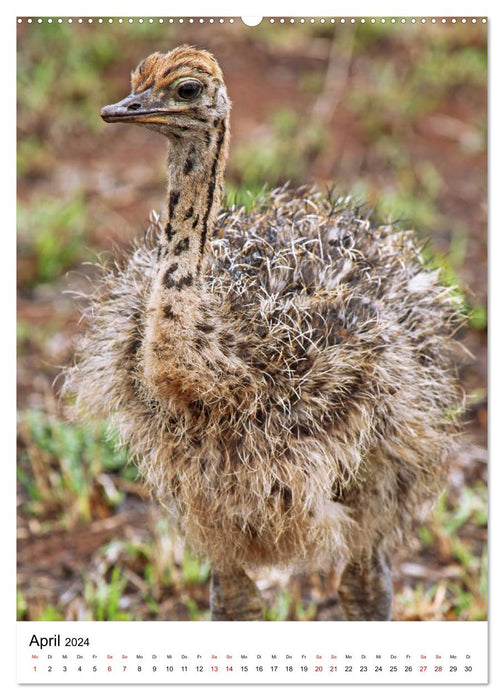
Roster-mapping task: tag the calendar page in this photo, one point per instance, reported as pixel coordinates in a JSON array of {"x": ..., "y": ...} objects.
[{"x": 252, "y": 405}]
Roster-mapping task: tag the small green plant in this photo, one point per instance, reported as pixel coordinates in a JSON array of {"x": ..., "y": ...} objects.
[
  {"x": 423, "y": 602},
  {"x": 193, "y": 609},
  {"x": 470, "y": 600},
  {"x": 282, "y": 607},
  {"x": 21, "y": 605},
  {"x": 247, "y": 197},
  {"x": 471, "y": 506},
  {"x": 477, "y": 317},
  {"x": 104, "y": 598},
  {"x": 50, "y": 614},
  {"x": 193, "y": 569}
]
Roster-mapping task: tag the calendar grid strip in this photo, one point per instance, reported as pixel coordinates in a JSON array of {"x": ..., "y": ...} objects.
[{"x": 257, "y": 652}]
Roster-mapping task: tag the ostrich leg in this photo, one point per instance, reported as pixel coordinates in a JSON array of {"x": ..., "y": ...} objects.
[
  {"x": 366, "y": 589},
  {"x": 233, "y": 596}
]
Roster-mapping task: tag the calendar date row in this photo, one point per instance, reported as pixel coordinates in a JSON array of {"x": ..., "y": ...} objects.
[{"x": 358, "y": 669}]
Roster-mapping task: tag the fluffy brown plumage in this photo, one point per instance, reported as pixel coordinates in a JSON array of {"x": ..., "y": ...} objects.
[{"x": 286, "y": 388}]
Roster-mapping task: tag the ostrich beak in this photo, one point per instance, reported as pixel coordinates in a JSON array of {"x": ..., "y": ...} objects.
[{"x": 133, "y": 108}]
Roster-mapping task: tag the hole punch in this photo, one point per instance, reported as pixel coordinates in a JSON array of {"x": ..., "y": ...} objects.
[{"x": 252, "y": 21}]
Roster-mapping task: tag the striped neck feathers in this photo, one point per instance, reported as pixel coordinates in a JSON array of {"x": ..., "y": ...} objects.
[{"x": 195, "y": 180}]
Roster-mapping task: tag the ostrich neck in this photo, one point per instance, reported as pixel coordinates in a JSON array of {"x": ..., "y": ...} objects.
[
  {"x": 194, "y": 186},
  {"x": 180, "y": 309}
]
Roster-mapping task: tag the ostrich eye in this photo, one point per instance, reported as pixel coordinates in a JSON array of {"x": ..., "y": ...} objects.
[{"x": 189, "y": 90}]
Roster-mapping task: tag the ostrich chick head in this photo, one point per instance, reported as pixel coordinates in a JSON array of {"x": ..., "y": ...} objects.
[{"x": 180, "y": 94}]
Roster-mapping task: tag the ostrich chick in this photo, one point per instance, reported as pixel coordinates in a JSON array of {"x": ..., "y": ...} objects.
[{"x": 282, "y": 376}]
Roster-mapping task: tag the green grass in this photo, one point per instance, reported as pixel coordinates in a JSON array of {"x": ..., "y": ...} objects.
[
  {"x": 463, "y": 594},
  {"x": 51, "y": 236},
  {"x": 57, "y": 71},
  {"x": 146, "y": 570},
  {"x": 450, "y": 264},
  {"x": 33, "y": 157},
  {"x": 444, "y": 68},
  {"x": 397, "y": 93},
  {"x": 282, "y": 153},
  {"x": 62, "y": 468}
]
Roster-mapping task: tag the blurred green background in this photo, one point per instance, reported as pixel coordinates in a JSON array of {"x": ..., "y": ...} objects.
[{"x": 392, "y": 114}]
